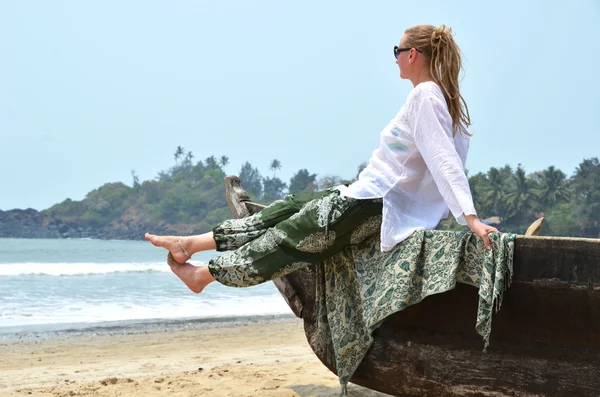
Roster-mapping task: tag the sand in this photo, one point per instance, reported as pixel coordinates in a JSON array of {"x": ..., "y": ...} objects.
[{"x": 271, "y": 359}]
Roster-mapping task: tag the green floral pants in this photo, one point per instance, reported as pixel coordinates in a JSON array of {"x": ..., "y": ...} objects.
[{"x": 290, "y": 234}]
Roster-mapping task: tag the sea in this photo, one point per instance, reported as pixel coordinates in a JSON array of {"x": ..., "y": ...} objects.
[{"x": 50, "y": 286}]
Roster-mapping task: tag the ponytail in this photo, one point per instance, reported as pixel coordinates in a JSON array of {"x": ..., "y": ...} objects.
[{"x": 438, "y": 45}]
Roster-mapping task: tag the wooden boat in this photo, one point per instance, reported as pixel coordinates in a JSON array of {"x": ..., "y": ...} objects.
[{"x": 545, "y": 340}]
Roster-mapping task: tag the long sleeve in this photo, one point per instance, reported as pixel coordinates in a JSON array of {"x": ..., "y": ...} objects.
[{"x": 433, "y": 140}]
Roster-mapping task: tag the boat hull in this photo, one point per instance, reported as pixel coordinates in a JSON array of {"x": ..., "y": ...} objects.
[{"x": 545, "y": 339}]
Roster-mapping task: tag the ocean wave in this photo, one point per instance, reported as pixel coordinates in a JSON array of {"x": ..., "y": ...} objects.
[
  {"x": 154, "y": 308},
  {"x": 76, "y": 269}
]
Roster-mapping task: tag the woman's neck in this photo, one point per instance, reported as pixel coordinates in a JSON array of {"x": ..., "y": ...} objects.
[{"x": 421, "y": 77}]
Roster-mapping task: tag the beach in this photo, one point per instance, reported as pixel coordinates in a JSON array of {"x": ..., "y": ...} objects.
[
  {"x": 260, "y": 359},
  {"x": 87, "y": 317}
]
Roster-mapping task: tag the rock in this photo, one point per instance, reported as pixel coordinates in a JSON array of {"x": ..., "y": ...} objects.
[
  {"x": 27, "y": 223},
  {"x": 30, "y": 223}
]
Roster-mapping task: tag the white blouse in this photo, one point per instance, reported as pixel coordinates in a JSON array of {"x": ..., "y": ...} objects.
[{"x": 418, "y": 168}]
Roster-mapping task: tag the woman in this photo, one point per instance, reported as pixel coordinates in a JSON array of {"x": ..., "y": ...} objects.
[{"x": 413, "y": 180}]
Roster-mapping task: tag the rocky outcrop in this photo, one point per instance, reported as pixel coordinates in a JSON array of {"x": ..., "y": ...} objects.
[
  {"x": 30, "y": 223},
  {"x": 27, "y": 223}
]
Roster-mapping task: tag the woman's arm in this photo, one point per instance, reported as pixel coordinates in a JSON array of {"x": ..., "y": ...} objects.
[
  {"x": 436, "y": 147},
  {"x": 439, "y": 153}
]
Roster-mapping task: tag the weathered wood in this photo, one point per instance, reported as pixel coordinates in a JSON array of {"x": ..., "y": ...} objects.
[
  {"x": 545, "y": 340},
  {"x": 290, "y": 295},
  {"x": 236, "y": 197}
]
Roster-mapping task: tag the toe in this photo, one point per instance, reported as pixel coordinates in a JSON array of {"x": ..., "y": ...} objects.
[
  {"x": 154, "y": 239},
  {"x": 172, "y": 262}
]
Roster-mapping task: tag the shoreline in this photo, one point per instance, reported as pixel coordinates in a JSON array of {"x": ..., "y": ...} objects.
[{"x": 18, "y": 333}]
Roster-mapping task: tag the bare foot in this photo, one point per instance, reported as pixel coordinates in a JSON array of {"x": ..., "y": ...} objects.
[
  {"x": 196, "y": 278},
  {"x": 171, "y": 244}
]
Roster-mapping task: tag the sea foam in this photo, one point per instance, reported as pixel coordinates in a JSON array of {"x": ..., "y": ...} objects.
[{"x": 73, "y": 269}]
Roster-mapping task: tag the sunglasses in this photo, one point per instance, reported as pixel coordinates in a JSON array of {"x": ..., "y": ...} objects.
[{"x": 398, "y": 50}]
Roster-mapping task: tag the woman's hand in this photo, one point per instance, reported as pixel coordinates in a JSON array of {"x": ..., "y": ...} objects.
[{"x": 480, "y": 229}]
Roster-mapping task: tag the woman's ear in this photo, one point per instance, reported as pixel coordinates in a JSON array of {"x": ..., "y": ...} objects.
[{"x": 412, "y": 56}]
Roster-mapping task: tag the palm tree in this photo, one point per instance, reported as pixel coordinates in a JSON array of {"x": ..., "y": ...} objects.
[
  {"x": 224, "y": 160},
  {"x": 178, "y": 153},
  {"x": 586, "y": 191},
  {"x": 211, "y": 163},
  {"x": 522, "y": 196},
  {"x": 189, "y": 157},
  {"x": 479, "y": 186},
  {"x": 494, "y": 196},
  {"x": 586, "y": 176},
  {"x": 136, "y": 178},
  {"x": 506, "y": 172},
  {"x": 553, "y": 187},
  {"x": 275, "y": 165}
]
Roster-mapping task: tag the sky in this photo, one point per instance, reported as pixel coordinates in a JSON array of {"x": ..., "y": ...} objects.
[{"x": 91, "y": 90}]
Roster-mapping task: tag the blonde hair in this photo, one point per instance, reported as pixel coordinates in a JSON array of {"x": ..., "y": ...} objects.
[{"x": 445, "y": 64}]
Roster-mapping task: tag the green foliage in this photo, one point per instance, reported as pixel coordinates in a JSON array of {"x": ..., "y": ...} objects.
[
  {"x": 187, "y": 193},
  {"x": 178, "y": 153},
  {"x": 223, "y": 161},
  {"x": 136, "y": 178},
  {"x": 571, "y": 205},
  {"x": 553, "y": 187},
  {"x": 100, "y": 207},
  {"x": 251, "y": 179},
  {"x": 275, "y": 166},
  {"x": 273, "y": 189},
  {"x": 211, "y": 163},
  {"x": 479, "y": 188},
  {"x": 560, "y": 220},
  {"x": 586, "y": 189},
  {"x": 303, "y": 181},
  {"x": 67, "y": 209},
  {"x": 521, "y": 198}
]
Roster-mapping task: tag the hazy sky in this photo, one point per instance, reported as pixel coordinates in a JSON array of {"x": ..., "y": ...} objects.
[{"x": 90, "y": 90}]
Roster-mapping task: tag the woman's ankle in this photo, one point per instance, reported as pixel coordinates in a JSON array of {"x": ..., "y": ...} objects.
[{"x": 200, "y": 242}]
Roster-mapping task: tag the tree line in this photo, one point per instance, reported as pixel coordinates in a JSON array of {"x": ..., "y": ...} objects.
[{"x": 192, "y": 193}]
